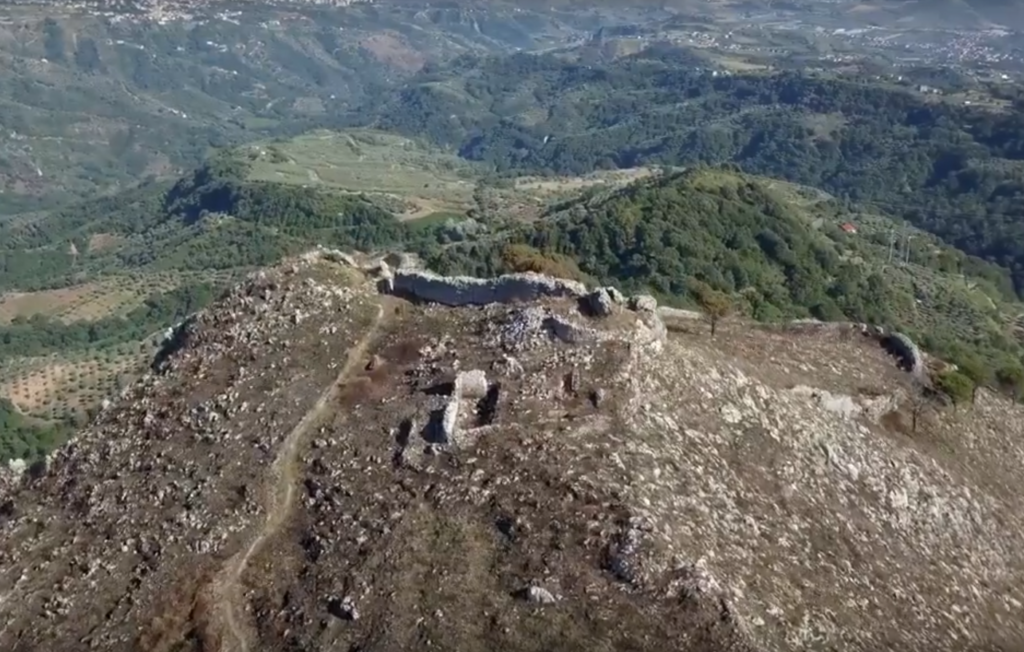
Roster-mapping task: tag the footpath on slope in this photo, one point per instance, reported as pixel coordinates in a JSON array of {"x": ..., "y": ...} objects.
[{"x": 281, "y": 497}]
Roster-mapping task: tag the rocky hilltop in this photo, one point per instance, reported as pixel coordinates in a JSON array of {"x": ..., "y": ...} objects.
[{"x": 348, "y": 454}]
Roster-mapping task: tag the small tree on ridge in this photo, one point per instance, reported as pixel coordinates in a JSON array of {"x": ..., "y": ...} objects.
[{"x": 715, "y": 305}]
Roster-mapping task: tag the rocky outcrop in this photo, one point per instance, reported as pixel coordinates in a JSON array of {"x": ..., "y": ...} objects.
[
  {"x": 471, "y": 384},
  {"x": 465, "y": 290},
  {"x": 643, "y": 303},
  {"x": 759, "y": 487},
  {"x": 569, "y": 331},
  {"x": 600, "y": 303},
  {"x": 450, "y": 418},
  {"x": 910, "y": 356},
  {"x": 678, "y": 313}
]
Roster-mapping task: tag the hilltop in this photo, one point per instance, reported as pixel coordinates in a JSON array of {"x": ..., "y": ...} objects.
[
  {"x": 107, "y": 277},
  {"x": 338, "y": 463},
  {"x": 778, "y": 249}
]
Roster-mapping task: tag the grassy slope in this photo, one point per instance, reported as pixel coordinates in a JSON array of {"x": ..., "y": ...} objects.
[{"x": 413, "y": 177}]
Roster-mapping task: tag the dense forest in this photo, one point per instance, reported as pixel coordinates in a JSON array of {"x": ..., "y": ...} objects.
[{"x": 954, "y": 170}]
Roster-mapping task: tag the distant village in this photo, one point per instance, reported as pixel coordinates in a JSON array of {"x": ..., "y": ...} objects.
[
  {"x": 166, "y": 11},
  {"x": 762, "y": 37}
]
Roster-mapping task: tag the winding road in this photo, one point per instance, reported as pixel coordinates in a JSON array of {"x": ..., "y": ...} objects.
[{"x": 280, "y": 498}]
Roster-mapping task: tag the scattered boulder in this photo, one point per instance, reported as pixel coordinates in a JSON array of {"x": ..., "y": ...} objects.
[
  {"x": 643, "y": 303},
  {"x": 344, "y": 609},
  {"x": 471, "y": 384},
  {"x": 909, "y": 355},
  {"x": 539, "y": 595},
  {"x": 601, "y": 303},
  {"x": 616, "y": 296},
  {"x": 837, "y": 403},
  {"x": 16, "y": 467}
]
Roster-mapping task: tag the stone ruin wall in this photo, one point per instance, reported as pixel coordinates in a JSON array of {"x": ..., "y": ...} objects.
[
  {"x": 456, "y": 291},
  {"x": 465, "y": 290}
]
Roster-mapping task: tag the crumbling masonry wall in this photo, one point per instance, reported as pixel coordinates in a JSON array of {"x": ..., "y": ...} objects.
[
  {"x": 458, "y": 291},
  {"x": 465, "y": 290}
]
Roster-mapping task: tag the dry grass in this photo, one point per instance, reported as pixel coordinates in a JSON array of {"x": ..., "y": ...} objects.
[
  {"x": 46, "y": 302},
  {"x": 184, "y": 616}
]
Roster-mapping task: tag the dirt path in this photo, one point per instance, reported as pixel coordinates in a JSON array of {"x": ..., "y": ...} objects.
[{"x": 281, "y": 497}]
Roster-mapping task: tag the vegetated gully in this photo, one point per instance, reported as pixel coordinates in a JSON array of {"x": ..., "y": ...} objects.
[{"x": 280, "y": 498}]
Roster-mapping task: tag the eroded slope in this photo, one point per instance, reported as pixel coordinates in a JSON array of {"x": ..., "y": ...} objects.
[
  {"x": 114, "y": 546},
  {"x": 555, "y": 474}
]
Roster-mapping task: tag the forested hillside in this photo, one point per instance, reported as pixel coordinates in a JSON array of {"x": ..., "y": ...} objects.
[
  {"x": 777, "y": 255},
  {"x": 954, "y": 170},
  {"x": 777, "y": 258},
  {"x": 91, "y": 105},
  {"x": 211, "y": 219}
]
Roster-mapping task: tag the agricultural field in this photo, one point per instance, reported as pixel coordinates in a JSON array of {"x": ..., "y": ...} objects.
[
  {"x": 414, "y": 179},
  {"x": 66, "y": 384},
  {"x": 111, "y": 295}
]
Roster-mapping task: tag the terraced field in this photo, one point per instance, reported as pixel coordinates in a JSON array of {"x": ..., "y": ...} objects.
[
  {"x": 60, "y": 387},
  {"x": 68, "y": 383},
  {"x": 111, "y": 295},
  {"x": 418, "y": 180}
]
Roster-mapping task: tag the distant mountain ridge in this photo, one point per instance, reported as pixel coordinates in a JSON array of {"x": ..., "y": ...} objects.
[{"x": 941, "y": 13}]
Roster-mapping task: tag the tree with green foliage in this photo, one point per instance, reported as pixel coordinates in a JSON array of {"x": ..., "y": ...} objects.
[
  {"x": 957, "y": 386},
  {"x": 947, "y": 168},
  {"x": 1010, "y": 377},
  {"x": 54, "y": 40},
  {"x": 87, "y": 55},
  {"x": 973, "y": 368},
  {"x": 715, "y": 305},
  {"x": 20, "y": 438}
]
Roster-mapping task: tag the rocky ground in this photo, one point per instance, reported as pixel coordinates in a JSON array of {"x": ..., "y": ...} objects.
[{"x": 320, "y": 467}]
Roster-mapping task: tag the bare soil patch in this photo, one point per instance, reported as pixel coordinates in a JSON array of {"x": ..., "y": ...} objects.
[
  {"x": 104, "y": 241},
  {"x": 388, "y": 48}
]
